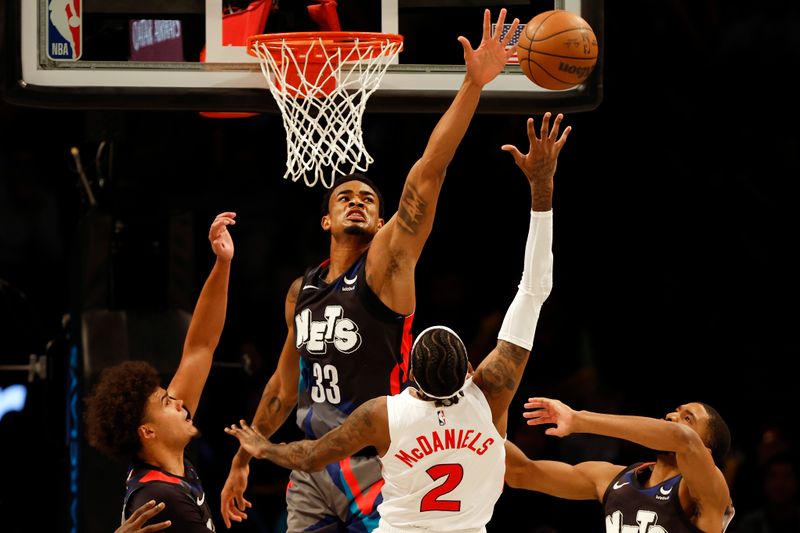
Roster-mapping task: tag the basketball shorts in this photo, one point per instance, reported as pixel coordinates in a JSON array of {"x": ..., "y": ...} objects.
[{"x": 344, "y": 496}]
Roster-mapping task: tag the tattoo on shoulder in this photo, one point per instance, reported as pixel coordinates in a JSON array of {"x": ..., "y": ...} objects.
[
  {"x": 362, "y": 418},
  {"x": 500, "y": 373},
  {"x": 512, "y": 352},
  {"x": 412, "y": 209}
]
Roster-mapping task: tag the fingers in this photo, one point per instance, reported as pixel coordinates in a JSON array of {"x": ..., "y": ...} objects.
[
  {"x": 500, "y": 21},
  {"x": 145, "y": 513},
  {"x": 220, "y": 223},
  {"x": 487, "y": 24},
  {"x": 534, "y": 403},
  {"x": 242, "y": 503},
  {"x": 226, "y": 507},
  {"x": 531, "y": 133},
  {"x": 225, "y": 519},
  {"x": 150, "y": 509},
  {"x": 545, "y": 128},
  {"x": 465, "y": 44},
  {"x": 515, "y": 153},
  {"x": 510, "y": 33},
  {"x": 156, "y": 527},
  {"x": 564, "y": 136},
  {"x": 230, "y": 512}
]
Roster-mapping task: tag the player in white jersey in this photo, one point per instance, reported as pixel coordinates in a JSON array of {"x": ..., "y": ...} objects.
[
  {"x": 441, "y": 443},
  {"x": 444, "y": 457}
]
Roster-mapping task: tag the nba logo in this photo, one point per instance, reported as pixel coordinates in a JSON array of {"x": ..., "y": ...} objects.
[
  {"x": 64, "y": 34},
  {"x": 440, "y": 416}
]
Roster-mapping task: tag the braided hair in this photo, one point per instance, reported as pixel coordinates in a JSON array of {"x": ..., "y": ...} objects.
[{"x": 439, "y": 362}]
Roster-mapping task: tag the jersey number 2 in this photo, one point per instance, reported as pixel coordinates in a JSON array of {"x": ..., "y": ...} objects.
[
  {"x": 453, "y": 473},
  {"x": 319, "y": 392}
]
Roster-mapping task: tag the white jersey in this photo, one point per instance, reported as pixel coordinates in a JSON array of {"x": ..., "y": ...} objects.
[{"x": 445, "y": 467}]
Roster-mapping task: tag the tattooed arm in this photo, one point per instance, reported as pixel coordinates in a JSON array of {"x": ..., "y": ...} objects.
[
  {"x": 500, "y": 372},
  {"x": 398, "y": 245},
  {"x": 366, "y": 426},
  {"x": 277, "y": 403}
]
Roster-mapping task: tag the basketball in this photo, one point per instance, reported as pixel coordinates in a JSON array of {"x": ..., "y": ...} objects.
[{"x": 557, "y": 50}]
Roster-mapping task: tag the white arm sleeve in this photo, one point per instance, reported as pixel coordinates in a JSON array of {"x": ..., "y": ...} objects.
[{"x": 519, "y": 324}]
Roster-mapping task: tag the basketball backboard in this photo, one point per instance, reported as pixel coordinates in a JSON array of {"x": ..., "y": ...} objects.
[{"x": 146, "y": 54}]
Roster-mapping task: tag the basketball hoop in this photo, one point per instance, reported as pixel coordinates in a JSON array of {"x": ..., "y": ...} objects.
[{"x": 321, "y": 82}]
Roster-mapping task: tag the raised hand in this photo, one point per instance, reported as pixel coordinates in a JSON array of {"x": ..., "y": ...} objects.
[
  {"x": 547, "y": 411},
  {"x": 250, "y": 439},
  {"x": 220, "y": 238},
  {"x": 539, "y": 164},
  {"x": 489, "y": 59}
]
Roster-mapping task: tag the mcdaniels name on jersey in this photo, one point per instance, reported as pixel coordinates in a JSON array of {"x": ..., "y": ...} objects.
[{"x": 447, "y": 439}]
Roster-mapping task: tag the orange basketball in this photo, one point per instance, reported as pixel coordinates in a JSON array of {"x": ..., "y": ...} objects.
[{"x": 557, "y": 49}]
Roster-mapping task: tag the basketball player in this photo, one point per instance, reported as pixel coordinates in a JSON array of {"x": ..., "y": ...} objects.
[
  {"x": 130, "y": 415},
  {"x": 349, "y": 319},
  {"x": 440, "y": 444},
  {"x": 682, "y": 491}
]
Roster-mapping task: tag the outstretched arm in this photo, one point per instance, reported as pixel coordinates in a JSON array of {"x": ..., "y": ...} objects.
[
  {"x": 207, "y": 320},
  {"x": 398, "y": 245},
  {"x": 584, "y": 481},
  {"x": 500, "y": 372},
  {"x": 366, "y": 426},
  {"x": 704, "y": 481},
  {"x": 277, "y": 403}
]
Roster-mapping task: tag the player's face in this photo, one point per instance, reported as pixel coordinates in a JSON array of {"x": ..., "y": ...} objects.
[
  {"x": 168, "y": 420},
  {"x": 693, "y": 415},
  {"x": 353, "y": 209}
]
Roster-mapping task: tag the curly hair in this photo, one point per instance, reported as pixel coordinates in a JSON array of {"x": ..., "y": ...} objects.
[
  {"x": 116, "y": 407},
  {"x": 439, "y": 361}
]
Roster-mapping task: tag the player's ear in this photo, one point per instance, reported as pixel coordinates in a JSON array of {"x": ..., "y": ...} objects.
[
  {"x": 146, "y": 432},
  {"x": 326, "y": 222},
  {"x": 380, "y": 223}
]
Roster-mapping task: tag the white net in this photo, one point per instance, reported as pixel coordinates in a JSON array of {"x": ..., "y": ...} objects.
[{"x": 322, "y": 90}]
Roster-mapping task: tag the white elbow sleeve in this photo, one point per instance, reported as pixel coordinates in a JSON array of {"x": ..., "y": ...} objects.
[{"x": 519, "y": 324}]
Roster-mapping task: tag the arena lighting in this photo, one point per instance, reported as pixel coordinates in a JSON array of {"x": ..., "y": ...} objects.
[{"x": 12, "y": 399}]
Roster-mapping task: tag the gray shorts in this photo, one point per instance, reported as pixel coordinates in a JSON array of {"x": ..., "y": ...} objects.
[{"x": 344, "y": 496}]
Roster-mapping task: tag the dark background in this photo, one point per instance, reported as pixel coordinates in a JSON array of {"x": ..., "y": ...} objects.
[{"x": 675, "y": 253}]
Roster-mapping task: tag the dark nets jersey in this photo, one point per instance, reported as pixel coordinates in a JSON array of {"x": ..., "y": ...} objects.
[
  {"x": 630, "y": 507},
  {"x": 352, "y": 347},
  {"x": 184, "y": 498}
]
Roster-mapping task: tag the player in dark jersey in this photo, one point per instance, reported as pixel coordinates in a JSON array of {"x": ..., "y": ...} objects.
[
  {"x": 131, "y": 416},
  {"x": 451, "y": 423},
  {"x": 349, "y": 319},
  {"x": 682, "y": 491}
]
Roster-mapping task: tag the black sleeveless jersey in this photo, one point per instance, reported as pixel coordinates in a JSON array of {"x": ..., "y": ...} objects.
[
  {"x": 656, "y": 509},
  {"x": 352, "y": 347},
  {"x": 184, "y": 498}
]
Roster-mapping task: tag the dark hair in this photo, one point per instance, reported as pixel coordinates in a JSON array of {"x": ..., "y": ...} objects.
[
  {"x": 439, "y": 361},
  {"x": 719, "y": 436},
  {"x": 356, "y": 176},
  {"x": 116, "y": 407}
]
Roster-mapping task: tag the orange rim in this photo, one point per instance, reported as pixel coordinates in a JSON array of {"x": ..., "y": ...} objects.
[{"x": 346, "y": 41}]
